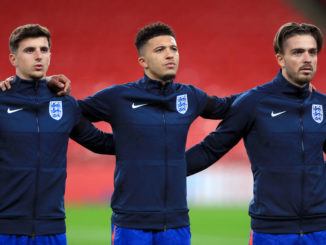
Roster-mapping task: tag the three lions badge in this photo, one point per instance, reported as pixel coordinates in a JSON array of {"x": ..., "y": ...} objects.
[
  {"x": 317, "y": 113},
  {"x": 182, "y": 103},
  {"x": 55, "y": 109}
]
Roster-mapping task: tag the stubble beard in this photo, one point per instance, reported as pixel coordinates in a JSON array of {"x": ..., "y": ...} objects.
[
  {"x": 304, "y": 79},
  {"x": 299, "y": 79}
]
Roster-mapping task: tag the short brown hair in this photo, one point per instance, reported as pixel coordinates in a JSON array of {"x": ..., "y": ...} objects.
[
  {"x": 27, "y": 31},
  {"x": 150, "y": 31},
  {"x": 291, "y": 29}
]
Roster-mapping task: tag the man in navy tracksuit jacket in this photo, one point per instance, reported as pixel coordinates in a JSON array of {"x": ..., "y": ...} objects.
[
  {"x": 150, "y": 119},
  {"x": 35, "y": 127},
  {"x": 284, "y": 130}
]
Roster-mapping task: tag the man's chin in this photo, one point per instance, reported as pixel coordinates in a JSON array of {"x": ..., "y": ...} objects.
[
  {"x": 305, "y": 79},
  {"x": 37, "y": 76}
]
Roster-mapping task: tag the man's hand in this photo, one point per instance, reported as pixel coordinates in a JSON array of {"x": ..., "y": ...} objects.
[
  {"x": 59, "y": 84},
  {"x": 6, "y": 84}
]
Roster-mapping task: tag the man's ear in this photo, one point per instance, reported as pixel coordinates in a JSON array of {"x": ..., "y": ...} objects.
[
  {"x": 12, "y": 59},
  {"x": 142, "y": 62},
  {"x": 280, "y": 60}
]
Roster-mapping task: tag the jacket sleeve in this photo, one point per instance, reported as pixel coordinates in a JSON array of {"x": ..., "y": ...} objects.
[
  {"x": 236, "y": 125},
  {"x": 217, "y": 108},
  {"x": 98, "y": 106},
  {"x": 212, "y": 107},
  {"x": 85, "y": 134}
]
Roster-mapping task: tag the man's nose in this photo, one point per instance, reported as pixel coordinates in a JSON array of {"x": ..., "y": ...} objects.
[
  {"x": 307, "y": 57},
  {"x": 169, "y": 53},
  {"x": 38, "y": 54}
]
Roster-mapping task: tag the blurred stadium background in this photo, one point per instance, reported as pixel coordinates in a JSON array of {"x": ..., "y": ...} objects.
[{"x": 225, "y": 48}]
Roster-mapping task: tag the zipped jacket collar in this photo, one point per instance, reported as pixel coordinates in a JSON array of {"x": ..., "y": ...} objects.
[
  {"x": 27, "y": 87},
  {"x": 156, "y": 87},
  {"x": 286, "y": 88}
]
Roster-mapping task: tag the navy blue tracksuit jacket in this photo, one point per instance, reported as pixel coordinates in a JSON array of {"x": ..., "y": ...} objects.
[
  {"x": 150, "y": 123},
  {"x": 284, "y": 131},
  {"x": 34, "y": 130}
]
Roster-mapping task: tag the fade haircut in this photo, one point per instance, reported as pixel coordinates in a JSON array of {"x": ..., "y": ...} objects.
[
  {"x": 150, "y": 31},
  {"x": 291, "y": 29},
  {"x": 27, "y": 31}
]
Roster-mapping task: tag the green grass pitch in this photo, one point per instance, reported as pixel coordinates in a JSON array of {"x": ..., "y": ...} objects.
[{"x": 90, "y": 225}]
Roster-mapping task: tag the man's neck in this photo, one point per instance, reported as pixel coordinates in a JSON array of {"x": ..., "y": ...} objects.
[
  {"x": 163, "y": 82},
  {"x": 29, "y": 78}
]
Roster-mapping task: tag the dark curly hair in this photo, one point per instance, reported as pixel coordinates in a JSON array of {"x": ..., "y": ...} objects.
[{"x": 152, "y": 30}]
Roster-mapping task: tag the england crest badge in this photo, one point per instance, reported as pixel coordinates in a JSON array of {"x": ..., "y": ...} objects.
[
  {"x": 317, "y": 113},
  {"x": 55, "y": 109},
  {"x": 182, "y": 103}
]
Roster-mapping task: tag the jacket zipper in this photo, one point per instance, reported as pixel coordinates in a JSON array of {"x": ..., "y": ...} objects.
[
  {"x": 303, "y": 164},
  {"x": 165, "y": 163},
  {"x": 166, "y": 172},
  {"x": 36, "y": 87}
]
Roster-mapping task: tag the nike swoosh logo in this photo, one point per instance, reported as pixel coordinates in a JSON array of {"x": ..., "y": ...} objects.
[
  {"x": 134, "y": 106},
  {"x": 277, "y": 114},
  {"x": 9, "y": 111}
]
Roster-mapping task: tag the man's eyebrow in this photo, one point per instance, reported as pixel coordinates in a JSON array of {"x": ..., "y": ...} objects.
[
  {"x": 303, "y": 49},
  {"x": 29, "y": 47},
  {"x": 160, "y": 46}
]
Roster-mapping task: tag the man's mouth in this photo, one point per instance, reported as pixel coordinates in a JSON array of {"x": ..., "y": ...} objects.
[
  {"x": 38, "y": 67},
  {"x": 306, "y": 68},
  {"x": 170, "y": 65}
]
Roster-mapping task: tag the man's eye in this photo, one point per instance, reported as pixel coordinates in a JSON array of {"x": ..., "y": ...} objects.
[
  {"x": 313, "y": 52},
  {"x": 159, "y": 50},
  {"x": 29, "y": 50},
  {"x": 44, "y": 50},
  {"x": 297, "y": 52}
]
